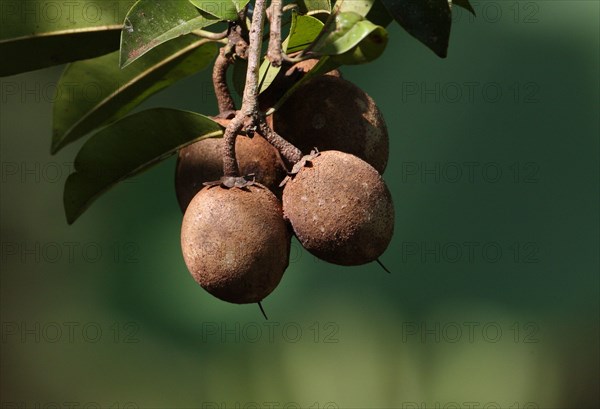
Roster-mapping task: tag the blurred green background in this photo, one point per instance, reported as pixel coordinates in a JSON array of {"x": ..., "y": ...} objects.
[{"x": 493, "y": 300}]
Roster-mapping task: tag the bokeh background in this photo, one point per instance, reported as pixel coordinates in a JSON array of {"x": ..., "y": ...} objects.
[{"x": 493, "y": 299}]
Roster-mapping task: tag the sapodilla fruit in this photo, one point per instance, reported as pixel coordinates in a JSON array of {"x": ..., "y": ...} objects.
[
  {"x": 285, "y": 79},
  {"x": 340, "y": 209},
  {"x": 203, "y": 162},
  {"x": 235, "y": 242},
  {"x": 331, "y": 113},
  {"x": 307, "y": 65}
]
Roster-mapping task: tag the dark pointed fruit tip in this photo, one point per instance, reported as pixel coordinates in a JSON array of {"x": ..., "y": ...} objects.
[
  {"x": 441, "y": 52},
  {"x": 382, "y": 266},
  {"x": 263, "y": 311}
]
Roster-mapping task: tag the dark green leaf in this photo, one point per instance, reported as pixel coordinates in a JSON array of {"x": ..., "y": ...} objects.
[
  {"x": 427, "y": 20},
  {"x": 372, "y": 10},
  {"x": 464, "y": 4},
  {"x": 150, "y": 23},
  {"x": 36, "y": 34},
  {"x": 239, "y": 75},
  {"x": 222, "y": 9},
  {"x": 379, "y": 14},
  {"x": 127, "y": 148},
  {"x": 94, "y": 92}
]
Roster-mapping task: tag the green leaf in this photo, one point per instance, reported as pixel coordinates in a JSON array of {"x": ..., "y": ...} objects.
[
  {"x": 129, "y": 147},
  {"x": 266, "y": 75},
  {"x": 346, "y": 39},
  {"x": 427, "y": 20},
  {"x": 303, "y": 31},
  {"x": 150, "y": 23},
  {"x": 223, "y": 9},
  {"x": 337, "y": 28},
  {"x": 346, "y": 32},
  {"x": 464, "y": 4},
  {"x": 360, "y": 7},
  {"x": 94, "y": 92},
  {"x": 368, "y": 49},
  {"x": 310, "y": 7},
  {"x": 36, "y": 34}
]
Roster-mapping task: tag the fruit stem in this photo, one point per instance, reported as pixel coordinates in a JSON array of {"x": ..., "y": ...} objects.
[
  {"x": 235, "y": 45},
  {"x": 286, "y": 149},
  {"x": 219, "y": 76},
  {"x": 230, "y": 166},
  {"x": 249, "y": 112}
]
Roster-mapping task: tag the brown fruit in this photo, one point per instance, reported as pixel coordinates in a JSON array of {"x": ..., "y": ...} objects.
[
  {"x": 307, "y": 65},
  {"x": 331, "y": 113},
  {"x": 235, "y": 242},
  {"x": 340, "y": 209},
  {"x": 285, "y": 79},
  {"x": 203, "y": 162}
]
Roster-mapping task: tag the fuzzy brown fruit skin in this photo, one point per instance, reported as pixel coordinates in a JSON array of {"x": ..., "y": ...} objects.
[
  {"x": 203, "y": 162},
  {"x": 340, "y": 209},
  {"x": 331, "y": 113},
  {"x": 235, "y": 242}
]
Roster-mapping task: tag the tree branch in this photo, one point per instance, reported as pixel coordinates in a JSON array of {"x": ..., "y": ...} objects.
[
  {"x": 274, "y": 53},
  {"x": 249, "y": 112},
  {"x": 250, "y": 98},
  {"x": 249, "y": 117}
]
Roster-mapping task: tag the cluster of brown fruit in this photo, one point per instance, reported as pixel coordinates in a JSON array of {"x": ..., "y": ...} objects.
[{"x": 236, "y": 240}]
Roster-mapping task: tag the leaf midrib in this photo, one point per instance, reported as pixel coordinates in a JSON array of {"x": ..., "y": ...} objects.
[
  {"x": 129, "y": 84},
  {"x": 113, "y": 27}
]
